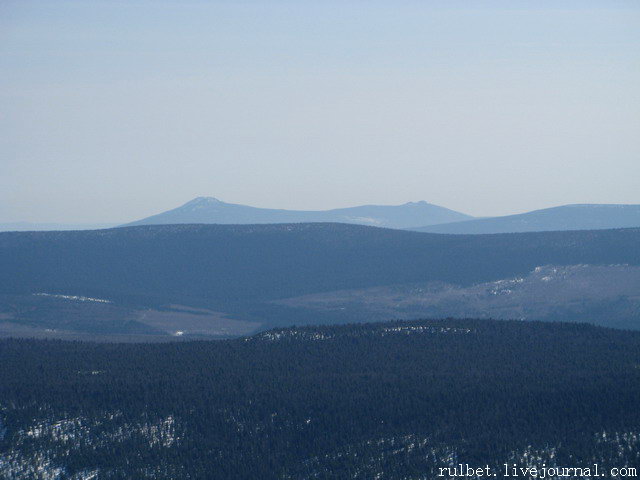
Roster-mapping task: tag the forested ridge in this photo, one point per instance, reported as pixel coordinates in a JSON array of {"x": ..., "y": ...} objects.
[
  {"x": 135, "y": 278},
  {"x": 230, "y": 264},
  {"x": 397, "y": 399}
]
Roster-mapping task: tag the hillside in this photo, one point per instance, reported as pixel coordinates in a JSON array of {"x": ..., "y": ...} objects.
[
  {"x": 386, "y": 401},
  {"x": 567, "y": 217},
  {"x": 223, "y": 280},
  {"x": 238, "y": 262},
  {"x": 212, "y": 210},
  {"x": 600, "y": 294}
]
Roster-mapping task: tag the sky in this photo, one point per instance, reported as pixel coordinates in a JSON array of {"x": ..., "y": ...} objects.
[{"x": 113, "y": 110}]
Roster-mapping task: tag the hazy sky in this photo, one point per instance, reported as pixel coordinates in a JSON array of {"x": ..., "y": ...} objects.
[{"x": 115, "y": 110}]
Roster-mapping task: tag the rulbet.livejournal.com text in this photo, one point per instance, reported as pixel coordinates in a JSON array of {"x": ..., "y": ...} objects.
[{"x": 512, "y": 470}]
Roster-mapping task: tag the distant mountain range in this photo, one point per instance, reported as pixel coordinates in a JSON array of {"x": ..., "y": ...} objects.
[
  {"x": 212, "y": 210},
  {"x": 418, "y": 216},
  {"x": 567, "y": 217}
]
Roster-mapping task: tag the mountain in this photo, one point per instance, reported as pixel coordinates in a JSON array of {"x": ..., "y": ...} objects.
[
  {"x": 567, "y": 217},
  {"x": 216, "y": 280},
  {"x": 32, "y": 227},
  {"x": 387, "y": 401},
  {"x": 212, "y": 210}
]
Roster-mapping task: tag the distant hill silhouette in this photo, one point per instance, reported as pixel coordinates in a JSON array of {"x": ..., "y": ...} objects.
[
  {"x": 567, "y": 217},
  {"x": 212, "y": 210}
]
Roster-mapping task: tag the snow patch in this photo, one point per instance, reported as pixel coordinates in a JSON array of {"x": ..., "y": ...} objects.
[{"x": 77, "y": 298}]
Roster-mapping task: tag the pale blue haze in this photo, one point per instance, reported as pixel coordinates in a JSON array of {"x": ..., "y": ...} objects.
[{"x": 112, "y": 111}]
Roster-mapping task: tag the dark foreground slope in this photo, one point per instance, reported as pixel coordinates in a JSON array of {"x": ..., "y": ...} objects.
[{"x": 386, "y": 401}]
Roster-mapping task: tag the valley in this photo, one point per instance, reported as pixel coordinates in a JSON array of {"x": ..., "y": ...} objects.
[{"x": 72, "y": 318}]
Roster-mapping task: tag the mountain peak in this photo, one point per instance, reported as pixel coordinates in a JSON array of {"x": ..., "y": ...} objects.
[{"x": 203, "y": 201}]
